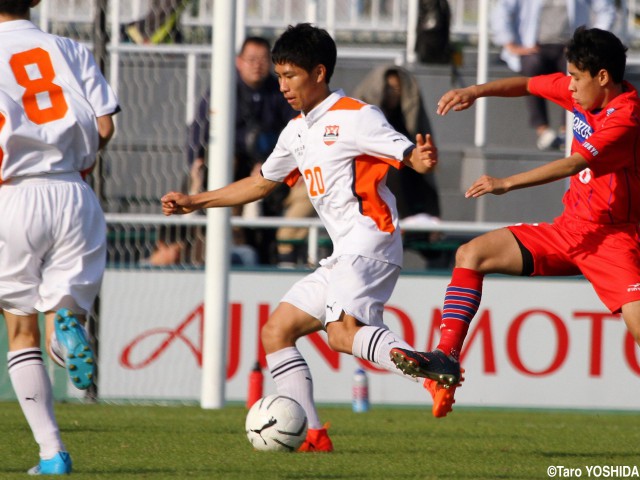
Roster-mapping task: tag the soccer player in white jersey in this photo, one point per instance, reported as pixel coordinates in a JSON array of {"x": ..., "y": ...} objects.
[
  {"x": 342, "y": 148},
  {"x": 55, "y": 113}
]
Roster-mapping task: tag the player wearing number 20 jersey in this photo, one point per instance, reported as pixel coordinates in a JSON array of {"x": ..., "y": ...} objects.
[
  {"x": 343, "y": 149},
  {"x": 55, "y": 113}
]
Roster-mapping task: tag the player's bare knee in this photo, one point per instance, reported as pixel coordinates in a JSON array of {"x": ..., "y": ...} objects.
[
  {"x": 467, "y": 256},
  {"x": 276, "y": 335}
]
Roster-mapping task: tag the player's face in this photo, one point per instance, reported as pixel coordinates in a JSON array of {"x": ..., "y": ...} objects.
[
  {"x": 303, "y": 90},
  {"x": 587, "y": 91}
]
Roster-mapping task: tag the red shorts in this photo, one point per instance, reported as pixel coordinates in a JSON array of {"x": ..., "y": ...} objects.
[{"x": 607, "y": 255}]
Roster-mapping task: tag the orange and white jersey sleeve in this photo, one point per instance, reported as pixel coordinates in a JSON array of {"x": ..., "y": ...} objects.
[
  {"x": 343, "y": 149},
  {"x": 61, "y": 90}
]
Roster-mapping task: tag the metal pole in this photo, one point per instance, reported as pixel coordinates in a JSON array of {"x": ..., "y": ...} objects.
[
  {"x": 222, "y": 115},
  {"x": 100, "y": 53},
  {"x": 483, "y": 71},
  {"x": 412, "y": 34}
]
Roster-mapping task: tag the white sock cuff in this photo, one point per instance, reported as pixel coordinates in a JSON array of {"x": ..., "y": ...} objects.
[
  {"x": 367, "y": 341},
  {"x": 22, "y": 358},
  {"x": 285, "y": 362}
]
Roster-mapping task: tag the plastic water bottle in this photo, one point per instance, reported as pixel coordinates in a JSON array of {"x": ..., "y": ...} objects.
[
  {"x": 360, "y": 391},
  {"x": 256, "y": 380}
]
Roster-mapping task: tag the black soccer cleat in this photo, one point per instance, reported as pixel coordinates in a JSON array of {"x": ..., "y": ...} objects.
[{"x": 434, "y": 365}]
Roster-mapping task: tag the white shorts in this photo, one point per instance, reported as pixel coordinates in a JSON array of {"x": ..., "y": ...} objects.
[
  {"x": 359, "y": 286},
  {"x": 52, "y": 244}
]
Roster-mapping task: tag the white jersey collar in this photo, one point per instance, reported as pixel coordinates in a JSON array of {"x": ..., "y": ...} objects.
[
  {"x": 323, "y": 107},
  {"x": 12, "y": 25}
]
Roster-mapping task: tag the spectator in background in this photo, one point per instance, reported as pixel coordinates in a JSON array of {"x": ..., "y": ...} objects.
[
  {"x": 533, "y": 34},
  {"x": 160, "y": 24},
  {"x": 433, "y": 43},
  {"x": 396, "y": 91},
  {"x": 261, "y": 113}
]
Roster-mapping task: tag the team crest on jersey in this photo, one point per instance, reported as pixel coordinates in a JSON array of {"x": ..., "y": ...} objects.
[{"x": 331, "y": 134}]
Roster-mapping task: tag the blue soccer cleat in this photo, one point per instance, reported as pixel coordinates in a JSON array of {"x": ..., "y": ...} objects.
[
  {"x": 58, "y": 465},
  {"x": 77, "y": 353}
]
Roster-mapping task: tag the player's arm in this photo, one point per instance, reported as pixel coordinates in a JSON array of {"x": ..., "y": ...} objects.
[
  {"x": 565, "y": 167},
  {"x": 245, "y": 190},
  {"x": 462, "y": 98},
  {"x": 425, "y": 156},
  {"x": 106, "y": 129}
]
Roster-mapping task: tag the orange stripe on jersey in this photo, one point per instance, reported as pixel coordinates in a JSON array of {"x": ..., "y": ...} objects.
[
  {"x": 292, "y": 178},
  {"x": 368, "y": 172},
  {"x": 346, "y": 103}
]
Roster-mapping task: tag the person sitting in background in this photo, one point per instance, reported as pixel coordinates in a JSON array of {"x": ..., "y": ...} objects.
[
  {"x": 396, "y": 91},
  {"x": 533, "y": 34},
  {"x": 261, "y": 114}
]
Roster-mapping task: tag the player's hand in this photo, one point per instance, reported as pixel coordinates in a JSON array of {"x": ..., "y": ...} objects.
[
  {"x": 176, "y": 203},
  {"x": 457, "y": 99},
  {"x": 425, "y": 155},
  {"x": 486, "y": 184}
]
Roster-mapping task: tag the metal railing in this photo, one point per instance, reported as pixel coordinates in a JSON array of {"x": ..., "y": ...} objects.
[{"x": 315, "y": 226}]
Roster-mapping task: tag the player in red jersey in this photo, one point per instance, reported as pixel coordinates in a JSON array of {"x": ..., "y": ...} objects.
[{"x": 597, "y": 233}]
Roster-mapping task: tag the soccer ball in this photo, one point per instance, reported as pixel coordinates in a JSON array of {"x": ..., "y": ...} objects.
[{"x": 276, "y": 423}]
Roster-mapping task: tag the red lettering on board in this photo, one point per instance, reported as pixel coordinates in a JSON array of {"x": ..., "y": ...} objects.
[{"x": 562, "y": 342}]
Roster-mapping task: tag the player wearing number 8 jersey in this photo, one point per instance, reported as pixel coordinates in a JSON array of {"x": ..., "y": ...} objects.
[
  {"x": 55, "y": 113},
  {"x": 342, "y": 148}
]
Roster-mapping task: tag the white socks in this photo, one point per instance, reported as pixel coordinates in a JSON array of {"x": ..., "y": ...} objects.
[
  {"x": 293, "y": 379},
  {"x": 375, "y": 343},
  {"x": 33, "y": 389}
]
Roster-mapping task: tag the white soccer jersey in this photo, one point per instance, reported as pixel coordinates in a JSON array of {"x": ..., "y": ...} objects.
[
  {"x": 343, "y": 149},
  {"x": 61, "y": 89}
]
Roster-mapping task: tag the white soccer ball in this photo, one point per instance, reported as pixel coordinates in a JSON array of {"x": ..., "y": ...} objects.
[{"x": 276, "y": 423}]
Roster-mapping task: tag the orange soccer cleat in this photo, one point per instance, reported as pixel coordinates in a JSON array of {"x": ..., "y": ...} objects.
[
  {"x": 443, "y": 396},
  {"x": 317, "y": 441}
]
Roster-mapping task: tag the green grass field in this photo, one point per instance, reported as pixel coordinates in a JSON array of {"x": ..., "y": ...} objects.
[{"x": 152, "y": 442}]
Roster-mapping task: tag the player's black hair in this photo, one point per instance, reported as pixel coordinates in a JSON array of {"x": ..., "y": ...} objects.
[
  {"x": 307, "y": 47},
  {"x": 592, "y": 49},
  {"x": 15, "y": 7},
  {"x": 263, "y": 42}
]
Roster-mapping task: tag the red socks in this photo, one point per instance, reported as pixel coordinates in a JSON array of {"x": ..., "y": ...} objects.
[{"x": 461, "y": 303}]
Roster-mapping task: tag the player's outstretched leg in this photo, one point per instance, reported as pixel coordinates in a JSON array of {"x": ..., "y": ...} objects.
[
  {"x": 76, "y": 351},
  {"x": 60, "y": 464}
]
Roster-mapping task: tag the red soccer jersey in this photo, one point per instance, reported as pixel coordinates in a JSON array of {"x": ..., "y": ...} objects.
[{"x": 608, "y": 191}]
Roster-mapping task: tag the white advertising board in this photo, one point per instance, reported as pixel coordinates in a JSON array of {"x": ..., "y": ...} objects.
[{"x": 534, "y": 343}]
